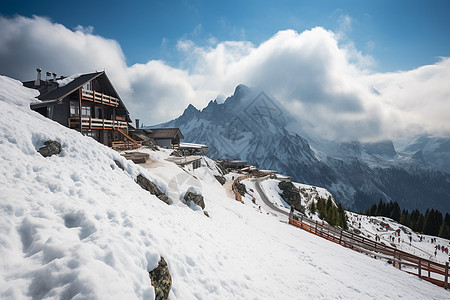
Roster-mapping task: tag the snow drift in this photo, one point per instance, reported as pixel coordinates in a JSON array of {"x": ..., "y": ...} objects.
[{"x": 77, "y": 226}]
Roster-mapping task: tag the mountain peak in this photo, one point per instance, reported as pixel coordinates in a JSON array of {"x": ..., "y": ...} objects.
[{"x": 241, "y": 91}]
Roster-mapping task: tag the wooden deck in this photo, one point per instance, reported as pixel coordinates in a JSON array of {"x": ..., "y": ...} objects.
[
  {"x": 92, "y": 123},
  {"x": 99, "y": 98}
]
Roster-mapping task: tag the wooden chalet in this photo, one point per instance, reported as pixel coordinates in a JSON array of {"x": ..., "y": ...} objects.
[
  {"x": 165, "y": 137},
  {"x": 87, "y": 103}
]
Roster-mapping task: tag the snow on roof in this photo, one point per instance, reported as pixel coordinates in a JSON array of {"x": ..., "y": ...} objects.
[
  {"x": 66, "y": 80},
  {"x": 192, "y": 145}
]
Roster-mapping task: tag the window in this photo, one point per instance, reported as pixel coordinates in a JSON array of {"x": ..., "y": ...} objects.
[
  {"x": 74, "y": 109},
  {"x": 88, "y": 86},
  {"x": 85, "y": 111}
]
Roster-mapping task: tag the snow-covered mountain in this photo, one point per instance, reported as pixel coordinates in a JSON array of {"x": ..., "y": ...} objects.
[
  {"x": 77, "y": 226},
  {"x": 434, "y": 151},
  {"x": 251, "y": 126}
]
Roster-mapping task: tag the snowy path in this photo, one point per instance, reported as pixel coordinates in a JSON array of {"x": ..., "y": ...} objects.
[{"x": 265, "y": 199}]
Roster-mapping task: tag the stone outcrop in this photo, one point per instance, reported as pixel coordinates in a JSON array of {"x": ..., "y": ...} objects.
[
  {"x": 161, "y": 280},
  {"x": 220, "y": 179},
  {"x": 291, "y": 195},
  {"x": 118, "y": 164},
  {"x": 50, "y": 148},
  {"x": 152, "y": 188},
  {"x": 196, "y": 198},
  {"x": 241, "y": 188},
  {"x": 176, "y": 153}
]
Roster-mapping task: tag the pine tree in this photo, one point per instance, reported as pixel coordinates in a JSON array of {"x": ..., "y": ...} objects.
[
  {"x": 395, "y": 212},
  {"x": 380, "y": 208}
]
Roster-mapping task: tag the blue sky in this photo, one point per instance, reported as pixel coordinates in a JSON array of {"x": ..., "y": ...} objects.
[
  {"x": 349, "y": 70},
  {"x": 399, "y": 35}
]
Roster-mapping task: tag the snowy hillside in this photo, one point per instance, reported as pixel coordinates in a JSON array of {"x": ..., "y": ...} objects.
[
  {"x": 75, "y": 225},
  {"x": 390, "y": 232},
  {"x": 251, "y": 126}
]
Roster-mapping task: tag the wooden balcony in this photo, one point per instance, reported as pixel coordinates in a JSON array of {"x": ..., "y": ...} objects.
[
  {"x": 91, "y": 123},
  {"x": 99, "y": 98}
]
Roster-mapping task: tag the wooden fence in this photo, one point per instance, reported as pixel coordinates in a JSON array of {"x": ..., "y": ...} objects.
[
  {"x": 427, "y": 270},
  {"x": 236, "y": 193}
]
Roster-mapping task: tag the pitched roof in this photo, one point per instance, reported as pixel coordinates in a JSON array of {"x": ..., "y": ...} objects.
[
  {"x": 164, "y": 133},
  {"x": 69, "y": 88},
  {"x": 62, "y": 91}
]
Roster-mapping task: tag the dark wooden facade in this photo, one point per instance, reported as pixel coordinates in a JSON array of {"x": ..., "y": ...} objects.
[{"x": 87, "y": 103}]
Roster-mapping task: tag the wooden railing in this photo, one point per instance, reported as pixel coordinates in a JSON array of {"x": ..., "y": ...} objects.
[
  {"x": 99, "y": 97},
  {"x": 238, "y": 196},
  {"x": 426, "y": 269},
  {"x": 91, "y": 123}
]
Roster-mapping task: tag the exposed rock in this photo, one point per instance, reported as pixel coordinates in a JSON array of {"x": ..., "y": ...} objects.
[
  {"x": 151, "y": 144},
  {"x": 291, "y": 195},
  {"x": 50, "y": 148},
  {"x": 161, "y": 280},
  {"x": 196, "y": 198},
  {"x": 176, "y": 153},
  {"x": 206, "y": 213},
  {"x": 152, "y": 188},
  {"x": 241, "y": 188},
  {"x": 220, "y": 179},
  {"x": 119, "y": 164},
  {"x": 221, "y": 168}
]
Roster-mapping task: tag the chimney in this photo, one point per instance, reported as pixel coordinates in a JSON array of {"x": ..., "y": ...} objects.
[
  {"x": 54, "y": 76},
  {"x": 47, "y": 74},
  {"x": 37, "y": 82},
  {"x": 137, "y": 123}
]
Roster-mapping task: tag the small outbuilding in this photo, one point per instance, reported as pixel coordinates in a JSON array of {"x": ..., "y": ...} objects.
[{"x": 165, "y": 137}]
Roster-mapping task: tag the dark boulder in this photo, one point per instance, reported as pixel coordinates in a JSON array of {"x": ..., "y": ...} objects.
[
  {"x": 50, "y": 148},
  {"x": 161, "y": 280},
  {"x": 291, "y": 195},
  {"x": 176, "y": 153},
  {"x": 196, "y": 198},
  {"x": 119, "y": 164},
  {"x": 152, "y": 188},
  {"x": 241, "y": 188}
]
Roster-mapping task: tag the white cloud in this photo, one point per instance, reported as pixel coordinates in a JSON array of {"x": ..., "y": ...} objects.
[{"x": 326, "y": 83}]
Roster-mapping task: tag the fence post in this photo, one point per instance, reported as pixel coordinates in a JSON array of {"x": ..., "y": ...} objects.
[
  {"x": 428, "y": 269},
  {"x": 315, "y": 230},
  {"x": 420, "y": 268},
  {"x": 340, "y": 237},
  {"x": 393, "y": 261},
  {"x": 446, "y": 276}
]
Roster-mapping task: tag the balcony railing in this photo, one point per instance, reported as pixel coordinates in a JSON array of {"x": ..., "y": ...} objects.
[
  {"x": 99, "y": 97},
  {"x": 91, "y": 123}
]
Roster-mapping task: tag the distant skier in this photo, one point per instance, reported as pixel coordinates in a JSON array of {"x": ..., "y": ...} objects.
[{"x": 291, "y": 213}]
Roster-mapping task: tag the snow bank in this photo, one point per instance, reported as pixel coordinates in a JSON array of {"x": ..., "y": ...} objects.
[{"x": 76, "y": 225}]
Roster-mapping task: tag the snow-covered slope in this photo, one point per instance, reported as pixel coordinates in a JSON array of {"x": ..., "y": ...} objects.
[
  {"x": 75, "y": 225},
  {"x": 251, "y": 126},
  {"x": 433, "y": 150}
]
